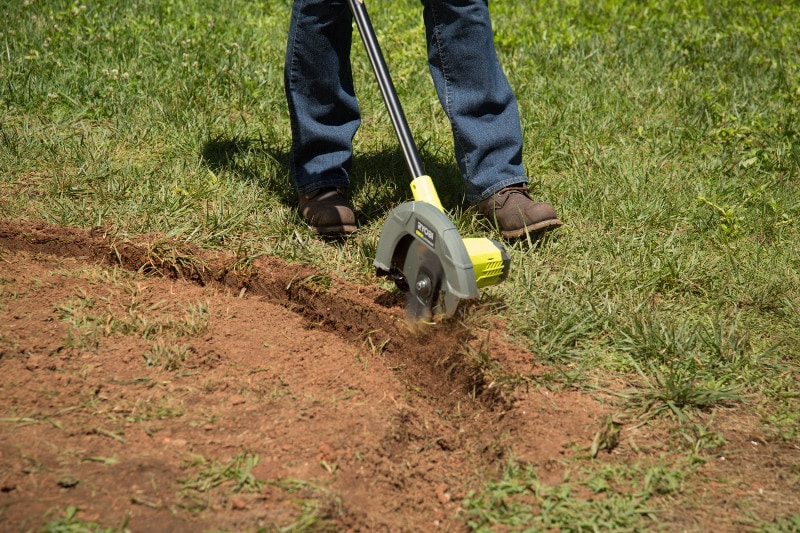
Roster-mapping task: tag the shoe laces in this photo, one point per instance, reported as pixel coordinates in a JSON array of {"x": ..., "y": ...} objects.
[{"x": 507, "y": 193}]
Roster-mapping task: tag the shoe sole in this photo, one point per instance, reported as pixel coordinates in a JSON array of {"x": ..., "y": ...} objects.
[
  {"x": 536, "y": 229},
  {"x": 335, "y": 230}
]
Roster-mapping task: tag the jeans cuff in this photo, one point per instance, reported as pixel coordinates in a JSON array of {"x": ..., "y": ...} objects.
[
  {"x": 308, "y": 187},
  {"x": 497, "y": 187}
]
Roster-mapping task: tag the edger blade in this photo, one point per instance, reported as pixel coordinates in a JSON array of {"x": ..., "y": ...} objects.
[{"x": 424, "y": 274}]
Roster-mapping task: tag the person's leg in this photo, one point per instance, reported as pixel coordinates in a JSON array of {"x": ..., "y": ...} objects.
[
  {"x": 323, "y": 111},
  {"x": 484, "y": 115},
  {"x": 475, "y": 94}
]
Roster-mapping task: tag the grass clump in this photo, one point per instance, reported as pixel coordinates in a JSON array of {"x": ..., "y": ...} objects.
[{"x": 520, "y": 501}]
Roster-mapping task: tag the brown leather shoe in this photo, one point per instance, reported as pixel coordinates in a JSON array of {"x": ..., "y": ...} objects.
[
  {"x": 327, "y": 211},
  {"x": 514, "y": 212}
]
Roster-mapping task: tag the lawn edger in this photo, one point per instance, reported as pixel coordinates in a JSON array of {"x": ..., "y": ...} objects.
[{"x": 419, "y": 246}]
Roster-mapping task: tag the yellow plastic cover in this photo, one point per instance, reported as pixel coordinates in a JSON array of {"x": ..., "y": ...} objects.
[{"x": 423, "y": 190}]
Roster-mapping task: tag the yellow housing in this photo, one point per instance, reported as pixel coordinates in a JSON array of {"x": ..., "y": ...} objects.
[
  {"x": 489, "y": 259},
  {"x": 423, "y": 190}
]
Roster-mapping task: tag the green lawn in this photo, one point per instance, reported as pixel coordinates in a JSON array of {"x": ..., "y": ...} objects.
[{"x": 666, "y": 134}]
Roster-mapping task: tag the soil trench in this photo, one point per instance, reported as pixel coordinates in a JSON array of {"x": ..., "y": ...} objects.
[{"x": 165, "y": 388}]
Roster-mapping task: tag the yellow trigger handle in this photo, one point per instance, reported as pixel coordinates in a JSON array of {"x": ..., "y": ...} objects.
[{"x": 423, "y": 190}]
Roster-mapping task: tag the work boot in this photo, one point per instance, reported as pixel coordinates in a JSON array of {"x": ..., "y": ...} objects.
[
  {"x": 327, "y": 211},
  {"x": 514, "y": 212}
]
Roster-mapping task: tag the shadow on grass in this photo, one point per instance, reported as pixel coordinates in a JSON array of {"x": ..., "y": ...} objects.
[
  {"x": 252, "y": 161},
  {"x": 379, "y": 180}
]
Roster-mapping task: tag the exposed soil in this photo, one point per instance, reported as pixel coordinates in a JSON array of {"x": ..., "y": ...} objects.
[{"x": 166, "y": 389}]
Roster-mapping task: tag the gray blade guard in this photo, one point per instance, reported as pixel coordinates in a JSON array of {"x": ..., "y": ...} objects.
[{"x": 425, "y": 223}]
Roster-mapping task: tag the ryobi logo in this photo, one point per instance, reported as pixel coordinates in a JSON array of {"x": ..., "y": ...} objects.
[{"x": 426, "y": 234}]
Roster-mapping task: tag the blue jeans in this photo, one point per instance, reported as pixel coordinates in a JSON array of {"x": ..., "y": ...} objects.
[{"x": 471, "y": 85}]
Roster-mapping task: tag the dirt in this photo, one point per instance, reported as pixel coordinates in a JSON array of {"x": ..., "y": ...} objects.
[{"x": 160, "y": 388}]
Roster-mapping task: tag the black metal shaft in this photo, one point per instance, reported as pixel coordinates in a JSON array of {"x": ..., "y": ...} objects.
[{"x": 409, "y": 148}]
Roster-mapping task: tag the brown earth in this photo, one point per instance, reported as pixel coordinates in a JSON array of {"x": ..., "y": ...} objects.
[{"x": 167, "y": 389}]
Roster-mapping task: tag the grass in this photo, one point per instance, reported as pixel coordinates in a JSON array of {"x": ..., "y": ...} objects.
[
  {"x": 665, "y": 133},
  {"x": 70, "y": 522},
  {"x": 315, "y": 505},
  {"x": 211, "y": 474},
  {"x": 125, "y": 310},
  {"x": 520, "y": 501}
]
